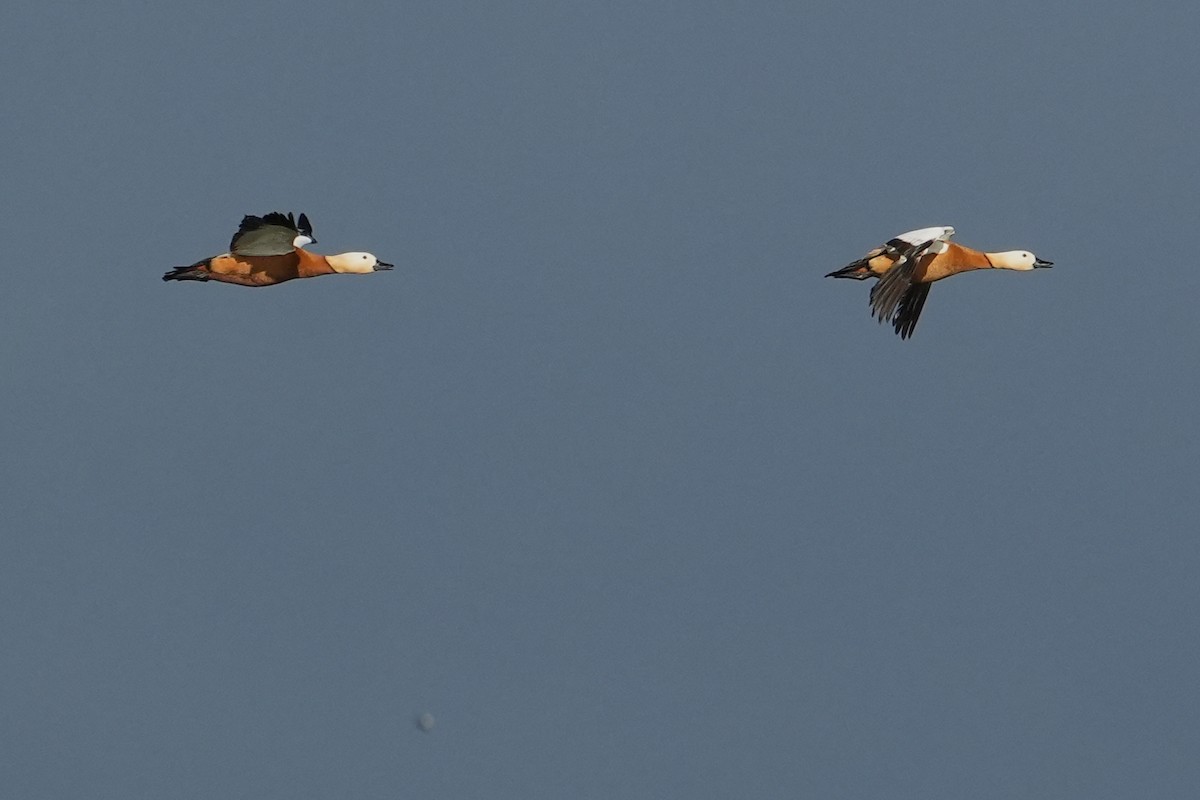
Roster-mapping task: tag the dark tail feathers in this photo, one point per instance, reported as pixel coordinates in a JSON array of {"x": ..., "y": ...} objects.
[
  {"x": 859, "y": 271},
  {"x": 195, "y": 272}
]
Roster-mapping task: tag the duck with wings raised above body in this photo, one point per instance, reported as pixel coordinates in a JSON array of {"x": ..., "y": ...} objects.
[{"x": 270, "y": 249}]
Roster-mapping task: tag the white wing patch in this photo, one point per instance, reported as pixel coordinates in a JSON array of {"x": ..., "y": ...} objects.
[{"x": 939, "y": 233}]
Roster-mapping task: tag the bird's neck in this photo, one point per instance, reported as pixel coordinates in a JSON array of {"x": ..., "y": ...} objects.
[{"x": 313, "y": 264}]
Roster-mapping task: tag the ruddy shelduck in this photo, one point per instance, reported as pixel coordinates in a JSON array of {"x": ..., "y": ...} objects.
[
  {"x": 909, "y": 263},
  {"x": 270, "y": 249}
]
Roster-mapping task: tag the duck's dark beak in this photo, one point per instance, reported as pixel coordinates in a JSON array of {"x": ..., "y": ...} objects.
[
  {"x": 1040, "y": 263},
  {"x": 382, "y": 265}
]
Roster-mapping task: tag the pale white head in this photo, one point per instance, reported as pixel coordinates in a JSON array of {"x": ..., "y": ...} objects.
[
  {"x": 1020, "y": 260},
  {"x": 356, "y": 263}
]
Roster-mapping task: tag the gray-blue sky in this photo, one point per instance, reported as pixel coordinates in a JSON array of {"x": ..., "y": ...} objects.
[{"x": 604, "y": 475}]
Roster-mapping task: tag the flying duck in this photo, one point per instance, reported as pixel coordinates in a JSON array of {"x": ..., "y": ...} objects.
[
  {"x": 270, "y": 249},
  {"x": 910, "y": 262}
]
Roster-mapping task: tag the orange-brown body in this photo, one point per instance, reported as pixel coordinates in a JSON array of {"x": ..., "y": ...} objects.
[
  {"x": 929, "y": 268},
  {"x": 956, "y": 258},
  {"x": 264, "y": 270}
]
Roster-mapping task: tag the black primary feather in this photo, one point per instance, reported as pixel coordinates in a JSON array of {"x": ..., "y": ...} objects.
[
  {"x": 887, "y": 294},
  {"x": 905, "y": 321}
]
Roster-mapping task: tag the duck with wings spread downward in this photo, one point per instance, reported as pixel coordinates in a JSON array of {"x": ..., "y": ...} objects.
[{"x": 907, "y": 265}]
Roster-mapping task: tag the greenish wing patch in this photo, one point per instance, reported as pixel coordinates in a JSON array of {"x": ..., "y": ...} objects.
[{"x": 271, "y": 235}]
